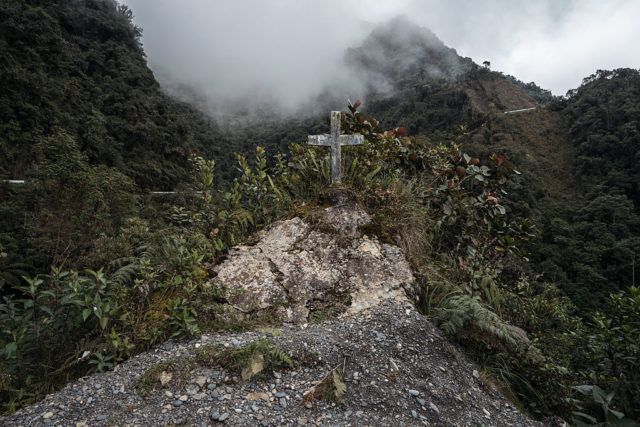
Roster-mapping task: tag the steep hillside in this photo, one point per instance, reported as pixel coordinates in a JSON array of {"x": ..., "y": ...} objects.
[
  {"x": 491, "y": 92},
  {"x": 79, "y": 66},
  {"x": 580, "y": 162}
]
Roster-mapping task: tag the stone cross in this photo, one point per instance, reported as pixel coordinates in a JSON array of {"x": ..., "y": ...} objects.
[{"x": 335, "y": 141}]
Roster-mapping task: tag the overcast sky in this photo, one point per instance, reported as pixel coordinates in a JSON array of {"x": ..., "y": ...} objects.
[{"x": 294, "y": 47}]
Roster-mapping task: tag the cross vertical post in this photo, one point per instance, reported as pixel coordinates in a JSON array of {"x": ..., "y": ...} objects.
[{"x": 335, "y": 141}]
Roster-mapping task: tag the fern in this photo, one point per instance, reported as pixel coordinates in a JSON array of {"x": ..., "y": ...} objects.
[
  {"x": 127, "y": 272},
  {"x": 278, "y": 358},
  {"x": 461, "y": 310}
]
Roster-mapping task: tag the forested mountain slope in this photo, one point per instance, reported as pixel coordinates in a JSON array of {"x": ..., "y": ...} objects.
[
  {"x": 78, "y": 66},
  {"x": 580, "y": 159}
]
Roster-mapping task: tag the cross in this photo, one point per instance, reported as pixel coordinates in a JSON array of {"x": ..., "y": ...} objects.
[{"x": 335, "y": 141}]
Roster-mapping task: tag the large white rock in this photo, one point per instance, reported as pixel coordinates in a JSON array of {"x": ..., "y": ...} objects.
[{"x": 295, "y": 268}]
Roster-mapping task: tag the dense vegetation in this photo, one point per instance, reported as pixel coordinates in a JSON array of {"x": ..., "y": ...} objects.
[
  {"x": 92, "y": 271},
  {"x": 602, "y": 119},
  {"x": 79, "y": 66}
]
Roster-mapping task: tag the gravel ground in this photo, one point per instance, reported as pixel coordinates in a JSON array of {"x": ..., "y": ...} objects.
[{"x": 399, "y": 370}]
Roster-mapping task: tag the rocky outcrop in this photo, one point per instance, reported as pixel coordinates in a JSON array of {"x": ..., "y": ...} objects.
[{"x": 296, "y": 269}]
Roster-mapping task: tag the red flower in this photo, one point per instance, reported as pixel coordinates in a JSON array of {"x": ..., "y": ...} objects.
[
  {"x": 357, "y": 104},
  {"x": 401, "y": 131},
  {"x": 500, "y": 160},
  {"x": 492, "y": 199}
]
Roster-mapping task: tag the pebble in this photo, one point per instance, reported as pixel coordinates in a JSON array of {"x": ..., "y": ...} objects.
[
  {"x": 414, "y": 392},
  {"x": 101, "y": 417},
  {"x": 223, "y": 417},
  {"x": 434, "y": 407},
  {"x": 414, "y": 414},
  {"x": 422, "y": 402},
  {"x": 47, "y": 415},
  {"x": 177, "y": 403}
]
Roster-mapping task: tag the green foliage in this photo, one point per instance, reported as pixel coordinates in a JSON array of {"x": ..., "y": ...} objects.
[
  {"x": 602, "y": 125},
  {"x": 253, "y": 201},
  {"x": 268, "y": 354},
  {"x": 598, "y": 397},
  {"x": 611, "y": 352},
  {"x": 182, "y": 318},
  {"x": 51, "y": 312},
  {"x": 541, "y": 96},
  {"x": 72, "y": 203},
  {"x": 458, "y": 313},
  {"x": 83, "y": 69}
]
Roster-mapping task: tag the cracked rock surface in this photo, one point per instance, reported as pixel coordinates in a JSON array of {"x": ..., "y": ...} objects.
[{"x": 298, "y": 269}]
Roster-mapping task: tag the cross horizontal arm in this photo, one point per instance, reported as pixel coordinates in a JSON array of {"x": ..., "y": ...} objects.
[
  {"x": 351, "y": 139},
  {"x": 319, "y": 140}
]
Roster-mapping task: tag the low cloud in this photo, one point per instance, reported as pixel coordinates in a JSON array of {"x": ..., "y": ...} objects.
[{"x": 287, "y": 51}]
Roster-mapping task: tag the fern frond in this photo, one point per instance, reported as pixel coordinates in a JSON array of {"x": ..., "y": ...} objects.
[
  {"x": 461, "y": 310},
  {"x": 278, "y": 357},
  {"x": 126, "y": 274}
]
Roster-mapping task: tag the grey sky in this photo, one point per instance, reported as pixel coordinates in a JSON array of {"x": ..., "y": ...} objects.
[{"x": 289, "y": 49}]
